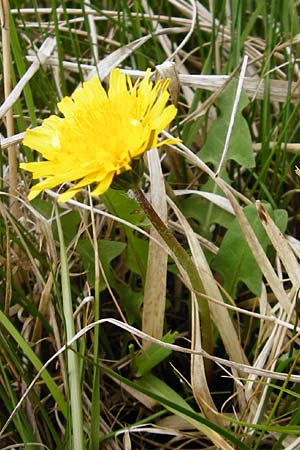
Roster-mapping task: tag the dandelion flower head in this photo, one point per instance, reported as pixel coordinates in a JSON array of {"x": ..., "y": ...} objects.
[{"x": 100, "y": 135}]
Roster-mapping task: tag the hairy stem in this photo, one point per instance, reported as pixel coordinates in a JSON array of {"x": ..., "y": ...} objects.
[{"x": 187, "y": 264}]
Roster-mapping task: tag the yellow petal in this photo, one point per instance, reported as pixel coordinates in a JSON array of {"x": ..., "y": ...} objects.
[
  {"x": 103, "y": 185},
  {"x": 99, "y": 134}
]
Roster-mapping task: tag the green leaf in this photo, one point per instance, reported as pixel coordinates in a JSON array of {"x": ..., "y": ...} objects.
[
  {"x": 172, "y": 401},
  {"x": 191, "y": 129},
  {"x": 136, "y": 255},
  {"x": 240, "y": 148},
  {"x": 281, "y": 219},
  {"x": 108, "y": 250},
  {"x": 235, "y": 261},
  {"x": 159, "y": 387},
  {"x": 121, "y": 205},
  {"x": 155, "y": 354},
  {"x": 131, "y": 301},
  {"x": 200, "y": 209}
]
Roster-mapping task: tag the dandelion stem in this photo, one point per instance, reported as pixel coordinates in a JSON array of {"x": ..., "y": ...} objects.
[{"x": 186, "y": 263}]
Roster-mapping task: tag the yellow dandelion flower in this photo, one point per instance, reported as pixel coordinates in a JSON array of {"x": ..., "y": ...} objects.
[{"x": 100, "y": 135}]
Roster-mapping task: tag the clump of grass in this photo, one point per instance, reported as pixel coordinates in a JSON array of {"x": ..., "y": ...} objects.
[{"x": 87, "y": 367}]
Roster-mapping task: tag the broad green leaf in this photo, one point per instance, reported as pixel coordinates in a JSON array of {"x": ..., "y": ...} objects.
[
  {"x": 206, "y": 212},
  {"x": 281, "y": 219},
  {"x": 44, "y": 207},
  {"x": 121, "y": 205},
  {"x": 136, "y": 255},
  {"x": 108, "y": 250},
  {"x": 159, "y": 387},
  {"x": 235, "y": 261},
  {"x": 240, "y": 148},
  {"x": 191, "y": 129},
  {"x": 154, "y": 355},
  {"x": 131, "y": 301},
  {"x": 172, "y": 401},
  {"x": 200, "y": 209}
]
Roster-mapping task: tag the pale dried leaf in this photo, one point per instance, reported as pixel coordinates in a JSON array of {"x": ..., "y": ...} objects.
[
  {"x": 281, "y": 245},
  {"x": 156, "y": 276}
]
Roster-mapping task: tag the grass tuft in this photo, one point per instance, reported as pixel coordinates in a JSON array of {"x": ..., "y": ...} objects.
[{"x": 94, "y": 274}]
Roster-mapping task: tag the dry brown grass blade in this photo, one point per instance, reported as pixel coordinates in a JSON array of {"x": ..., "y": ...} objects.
[
  {"x": 156, "y": 276},
  {"x": 216, "y": 199},
  {"x": 7, "y": 262},
  {"x": 115, "y": 58},
  {"x": 293, "y": 147},
  {"x": 42, "y": 56},
  {"x": 233, "y": 115},
  {"x": 257, "y": 250},
  {"x": 281, "y": 245},
  {"x": 268, "y": 357},
  {"x": 12, "y": 140},
  {"x": 155, "y": 283},
  {"x": 219, "y": 314},
  {"x": 9, "y": 119},
  {"x": 136, "y": 332},
  {"x": 198, "y": 379},
  {"x": 280, "y": 90},
  {"x": 93, "y": 30},
  {"x": 43, "y": 308},
  {"x": 206, "y": 105},
  {"x": 167, "y": 47}
]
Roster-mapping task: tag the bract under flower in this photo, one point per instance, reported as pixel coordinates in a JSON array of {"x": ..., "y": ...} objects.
[{"x": 100, "y": 133}]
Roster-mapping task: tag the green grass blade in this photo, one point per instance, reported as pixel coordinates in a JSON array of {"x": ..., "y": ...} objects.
[
  {"x": 31, "y": 356},
  {"x": 72, "y": 355}
]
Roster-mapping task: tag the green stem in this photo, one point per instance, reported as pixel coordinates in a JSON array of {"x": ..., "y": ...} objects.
[{"x": 186, "y": 263}]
